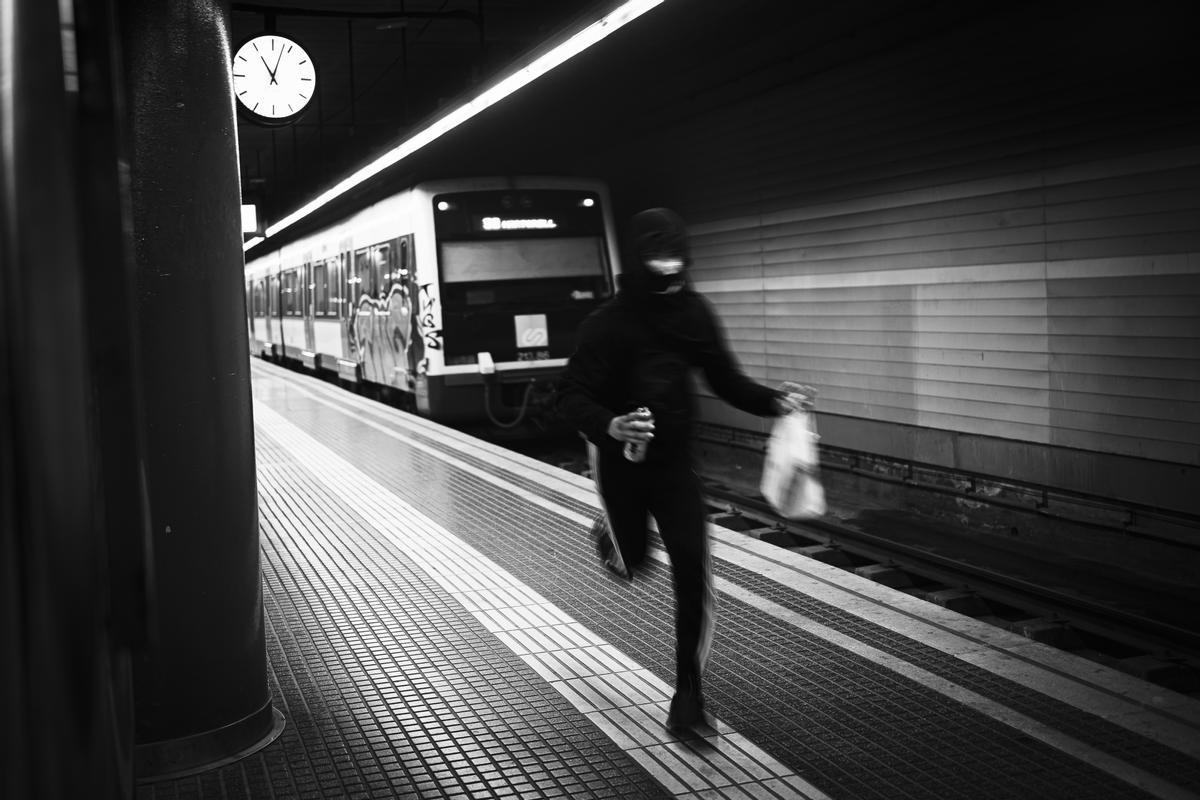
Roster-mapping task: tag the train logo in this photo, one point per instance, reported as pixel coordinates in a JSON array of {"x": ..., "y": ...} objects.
[{"x": 532, "y": 330}]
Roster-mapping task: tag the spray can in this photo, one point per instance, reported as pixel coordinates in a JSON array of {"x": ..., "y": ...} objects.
[{"x": 636, "y": 451}]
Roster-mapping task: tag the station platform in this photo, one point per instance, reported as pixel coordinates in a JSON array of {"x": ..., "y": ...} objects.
[{"x": 438, "y": 626}]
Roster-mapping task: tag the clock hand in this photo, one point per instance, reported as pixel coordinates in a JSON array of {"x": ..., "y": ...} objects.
[
  {"x": 277, "y": 60},
  {"x": 268, "y": 66}
]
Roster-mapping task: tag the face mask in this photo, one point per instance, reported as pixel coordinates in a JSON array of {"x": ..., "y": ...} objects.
[{"x": 664, "y": 274}]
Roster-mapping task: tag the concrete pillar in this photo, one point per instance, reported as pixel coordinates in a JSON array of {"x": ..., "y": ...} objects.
[
  {"x": 201, "y": 688},
  {"x": 65, "y": 698}
]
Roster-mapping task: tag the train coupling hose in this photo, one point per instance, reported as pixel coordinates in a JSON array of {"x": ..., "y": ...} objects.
[{"x": 487, "y": 369}]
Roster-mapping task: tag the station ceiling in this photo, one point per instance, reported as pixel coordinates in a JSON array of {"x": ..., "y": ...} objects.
[{"x": 389, "y": 67}]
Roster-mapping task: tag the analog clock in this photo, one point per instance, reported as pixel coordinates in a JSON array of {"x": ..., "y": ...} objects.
[{"x": 273, "y": 79}]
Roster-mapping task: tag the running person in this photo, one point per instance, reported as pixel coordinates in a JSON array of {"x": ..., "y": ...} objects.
[{"x": 637, "y": 351}]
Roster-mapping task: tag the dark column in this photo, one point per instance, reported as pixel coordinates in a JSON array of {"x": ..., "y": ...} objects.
[
  {"x": 65, "y": 726},
  {"x": 201, "y": 690}
]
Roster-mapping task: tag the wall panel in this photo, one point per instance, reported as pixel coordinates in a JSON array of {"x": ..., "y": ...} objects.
[{"x": 988, "y": 230}]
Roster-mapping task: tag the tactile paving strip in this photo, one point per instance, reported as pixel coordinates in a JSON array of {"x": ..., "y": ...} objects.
[
  {"x": 955, "y": 752},
  {"x": 389, "y": 688}
]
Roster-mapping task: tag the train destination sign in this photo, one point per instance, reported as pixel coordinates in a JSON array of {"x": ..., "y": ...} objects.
[{"x": 500, "y": 224}]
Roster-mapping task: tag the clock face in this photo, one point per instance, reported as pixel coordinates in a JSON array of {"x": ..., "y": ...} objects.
[{"x": 273, "y": 78}]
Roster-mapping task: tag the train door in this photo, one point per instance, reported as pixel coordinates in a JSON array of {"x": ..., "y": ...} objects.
[
  {"x": 274, "y": 333},
  {"x": 405, "y": 318},
  {"x": 381, "y": 270},
  {"x": 306, "y": 308},
  {"x": 382, "y": 349},
  {"x": 368, "y": 333},
  {"x": 343, "y": 285},
  {"x": 358, "y": 307},
  {"x": 291, "y": 330},
  {"x": 250, "y": 312},
  {"x": 326, "y": 338},
  {"x": 259, "y": 311}
]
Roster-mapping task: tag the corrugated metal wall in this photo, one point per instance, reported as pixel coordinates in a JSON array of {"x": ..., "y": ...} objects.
[{"x": 980, "y": 238}]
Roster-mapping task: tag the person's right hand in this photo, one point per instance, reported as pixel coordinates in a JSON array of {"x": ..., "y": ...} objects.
[
  {"x": 795, "y": 397},
  {"x": 632, "y": 427}
]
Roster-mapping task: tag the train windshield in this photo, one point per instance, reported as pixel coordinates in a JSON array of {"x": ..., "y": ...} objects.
[{"x": 521, "y": 259}]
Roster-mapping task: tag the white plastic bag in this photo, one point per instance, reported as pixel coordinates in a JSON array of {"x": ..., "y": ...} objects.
[{"x": 791, "y": 480}]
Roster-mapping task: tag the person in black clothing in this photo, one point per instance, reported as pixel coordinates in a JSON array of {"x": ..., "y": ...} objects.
[{"x": 628, "y": 385}]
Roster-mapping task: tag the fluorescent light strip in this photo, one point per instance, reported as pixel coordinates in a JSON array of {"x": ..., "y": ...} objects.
[{"x": 581, "y": 41}]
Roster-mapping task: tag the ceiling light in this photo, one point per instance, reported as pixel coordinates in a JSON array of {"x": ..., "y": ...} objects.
[{"x": 580, "y": 41}]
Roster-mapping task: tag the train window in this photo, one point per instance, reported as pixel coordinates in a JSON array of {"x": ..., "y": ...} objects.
[
  {"x": 320, "y": 290},
  {"x": 360, "y": 279},
  {"x": 381, "y": 269},
  {"x": 306, "y": 290},
  {"x": 518, "y": 259},
  {"x": 337, "y": 289},
  {"x": 291, "y": 293}
]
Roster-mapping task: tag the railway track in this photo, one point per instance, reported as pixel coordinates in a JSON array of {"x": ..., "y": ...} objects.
[{"x": 1159, "y": 652}]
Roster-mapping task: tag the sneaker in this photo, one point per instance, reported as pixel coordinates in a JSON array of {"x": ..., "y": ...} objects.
[
  {"x": 687, "y": 710},
  {"x": 608, "y": 553}
]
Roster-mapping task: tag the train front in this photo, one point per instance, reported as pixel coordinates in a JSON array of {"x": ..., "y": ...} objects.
[{"x": 518, "y": 269}]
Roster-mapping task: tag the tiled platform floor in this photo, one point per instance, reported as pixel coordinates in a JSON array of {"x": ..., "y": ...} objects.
[{"x": 438, "y": 628}]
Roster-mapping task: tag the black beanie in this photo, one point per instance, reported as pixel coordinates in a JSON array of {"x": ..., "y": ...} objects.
[{"x": 659, "y": 232}]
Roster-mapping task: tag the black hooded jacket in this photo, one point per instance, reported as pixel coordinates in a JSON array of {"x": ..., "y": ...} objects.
[{"x": 639, "y": 348}]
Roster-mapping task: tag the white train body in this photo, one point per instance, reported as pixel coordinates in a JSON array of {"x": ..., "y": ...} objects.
[{"x": 462, "y": 294}]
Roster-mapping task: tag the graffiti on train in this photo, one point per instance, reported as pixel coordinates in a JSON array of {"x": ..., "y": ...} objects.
[
  {"x": 385, "y": 337},
  {"x": 428, "y": 321}
]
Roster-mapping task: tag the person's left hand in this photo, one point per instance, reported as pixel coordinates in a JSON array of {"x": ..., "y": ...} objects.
[{"x": 795, "y": 397}]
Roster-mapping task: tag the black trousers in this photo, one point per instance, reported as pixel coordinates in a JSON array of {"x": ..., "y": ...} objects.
[{"x": 668, "y": 490}]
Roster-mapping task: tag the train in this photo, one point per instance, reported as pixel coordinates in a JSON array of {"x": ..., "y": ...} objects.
[{"x": 458, "y": 298}]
